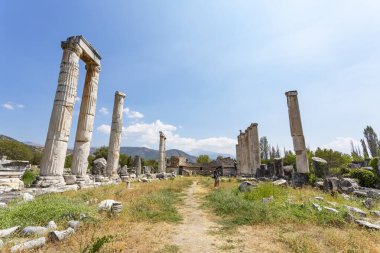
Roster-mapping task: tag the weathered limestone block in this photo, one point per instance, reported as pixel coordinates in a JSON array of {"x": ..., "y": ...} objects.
[
  {"x": 70, "y": 179},
  {"x": 368, "y": 203},
  {"x": 279, "y": 167},
  {"x": 356, "y": 210},
  {"x": 296, "y": 130},
  {"x": 56, "y": 235},
  {"x": 367, "y": 224},
  {"x": 279, "y": 182},
  {"x": 115, "y": 136},
  {"x": 348, "y": 185},
  {"x": 99, "y": 167},
  {"x": 299, "y": 179},
  {"x": 270, "y": 170},
  {"x": 331, "y": 184},
  {"x": 51, "y": 225},
  {"x": 246, "y": 186},
  {"x": 162, "y": 154},
  {"x": 330, "y": 209},
  {"x": 7, "y": 232},
  {"x": 73, "y": 224},
  {"x": 33, "y": 244},
  {"x": 27, "y": 197},
  {"x": 321, "y": 168},
  {"x": 124, "y": 171},
  {"x": 3, "y": 205},
  {"x": 34, "y": 230}
]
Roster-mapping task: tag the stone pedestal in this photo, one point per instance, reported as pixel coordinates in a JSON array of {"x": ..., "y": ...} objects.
[
  {"x": 279, "y": 167},
  {"x": 299, "y": 179},
  {"x": 86, "y": 122},
  {"x": 115, "y": 136},
  {"x": 296, "y": 131},
  {"x": 321, "y": 168},
  {"x": 162, "y": 154}
]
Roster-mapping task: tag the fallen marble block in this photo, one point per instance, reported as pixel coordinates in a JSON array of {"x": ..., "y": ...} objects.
[
  {"x": 29, "y": 245},
  {"x": 367, "y": 224},
  {"x": 7, "y": 232},
  {"x": 34, "y": 230},
  {"x": 55, "y": 236}
]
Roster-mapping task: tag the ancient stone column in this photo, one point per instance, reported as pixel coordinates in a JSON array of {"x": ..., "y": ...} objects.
[
  {"x": 237, "y": 160},
  {"x": 85, "y": 123},
  {"x": 255, "y": 159},
  {"x": 297, "y": 132},
  {"x": 162, "y": 154},
  {"x": 137, "y": 165},
  {"x": 115, "y": 136},
  {"x": 53, "y": 159},
  {"x": 244, "y": 153}
]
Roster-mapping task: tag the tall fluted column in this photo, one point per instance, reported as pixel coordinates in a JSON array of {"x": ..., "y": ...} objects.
[
  {"x": 244, "y": 153},
  {"x": 297, "y": 132},
  {"x": 53, "y": 159},
  {"x": 85, "y": 122},
  {"x": 254, "y": 148},
  {"x": 115, "y": 136},
  {"x": 162, "y": 154}
]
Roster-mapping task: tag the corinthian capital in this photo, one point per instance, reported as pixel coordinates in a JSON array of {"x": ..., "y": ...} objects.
[{"x": 72, "y": 45}]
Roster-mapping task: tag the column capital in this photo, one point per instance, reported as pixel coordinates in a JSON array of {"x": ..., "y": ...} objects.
[
  {"x": 291, "y": 93},
  {"x": 93, "y": 67},
  {"x": 72, "y": 45}
]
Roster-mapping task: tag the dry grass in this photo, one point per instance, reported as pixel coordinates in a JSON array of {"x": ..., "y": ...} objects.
[{"x": 129, "y": 234}]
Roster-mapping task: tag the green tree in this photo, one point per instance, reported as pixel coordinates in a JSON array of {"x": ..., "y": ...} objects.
[
  {"x": 36, "y": 159},
  {"x": 203, "y": 159},
  {"x": 68, "y": 161},
  {"x": 265, "y": 148},
  {"x": 290, "y": 158},
  {"x": 335, "y": 159},
  {"x": 365, "y": 150},
  {"x": 150, "y": 163},
  {"x": 372, "y": 141},
  {"x": 101, "y": 152},
  {"x": 355, "y": 152},
  {"x": 15, "y": 150},
  {"x": 126, "y": 160}
]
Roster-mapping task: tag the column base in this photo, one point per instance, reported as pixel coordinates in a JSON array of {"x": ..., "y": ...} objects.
[
  {"x": 49, "y": 181},
  {"x": 299, "y": 179}
]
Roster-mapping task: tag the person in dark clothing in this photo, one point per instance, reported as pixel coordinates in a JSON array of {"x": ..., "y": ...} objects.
[{"x": 216, "y": 179}]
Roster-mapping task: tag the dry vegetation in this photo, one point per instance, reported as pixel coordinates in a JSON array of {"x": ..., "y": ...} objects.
[{"x": 150, "y": 219}]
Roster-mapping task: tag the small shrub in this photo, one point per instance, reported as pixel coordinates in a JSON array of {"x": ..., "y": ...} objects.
[
  {"x": 97, "y": 244},
  {"x": 29, "y": 177},
  {"x": 366, "y": 177}
]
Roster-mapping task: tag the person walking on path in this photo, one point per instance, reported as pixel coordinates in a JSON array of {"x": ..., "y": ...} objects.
[{"x": 216, "y": 179}]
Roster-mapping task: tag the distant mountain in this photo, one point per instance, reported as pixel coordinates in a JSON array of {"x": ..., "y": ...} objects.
[
  {"x": 213, "y": 155},
  {"x": 7, "y": 138},
  {"x": 152, "y": 154}
]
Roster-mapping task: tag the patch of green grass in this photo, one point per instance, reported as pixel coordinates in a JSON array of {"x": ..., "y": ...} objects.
[
  {"x": 42, "y": 210},
  {"x": 247, "y": 208},
  {"x": 29, "y": 177},
  {"x": 157, "y": 206}
]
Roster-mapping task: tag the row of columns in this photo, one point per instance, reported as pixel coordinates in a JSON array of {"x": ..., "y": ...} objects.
[
  {"x": 248, "y": 150},
  {"x": 53, "y": 160},
  {"x": 248, "y": 147}
]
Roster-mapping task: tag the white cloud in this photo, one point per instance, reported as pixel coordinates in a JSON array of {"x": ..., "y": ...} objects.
[
  {"x": 104, "y": 111},
  {"x": 133, "y": 114},
  {"x": 77, "y": 99},
  {"x": 8, "y": 106},
  {"x": 146, "y": 134},
  {"x": 342, "y": 144},
  {"x": 105, "y": 129},
  {"x": 12, "y": 106}
]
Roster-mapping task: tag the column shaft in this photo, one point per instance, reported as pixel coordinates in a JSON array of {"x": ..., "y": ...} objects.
[
  {"x": 86, "y": 121},
  {"x": 296, "y": 131},
  {"x": 53, "y": 159},
  {"x": 255, "y": 148},
  {"x": 115, "y": 136},
  {"x": 162, "y": 154}
]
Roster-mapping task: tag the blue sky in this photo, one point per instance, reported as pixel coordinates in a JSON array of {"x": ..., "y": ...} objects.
[{"x": 199, "y": 70}]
